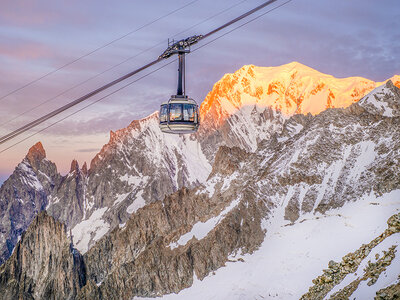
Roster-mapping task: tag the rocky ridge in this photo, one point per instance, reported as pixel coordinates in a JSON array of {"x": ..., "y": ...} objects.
[
  {"x": 23, "y": 195},
  {"x": 350, "y": 264}
]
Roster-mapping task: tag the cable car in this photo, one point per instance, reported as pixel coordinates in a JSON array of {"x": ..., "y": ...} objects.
[{"x": 180, "y": 114}]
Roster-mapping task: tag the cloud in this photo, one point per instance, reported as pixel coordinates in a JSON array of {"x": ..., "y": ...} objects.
[{"x": 88, "y": 150}]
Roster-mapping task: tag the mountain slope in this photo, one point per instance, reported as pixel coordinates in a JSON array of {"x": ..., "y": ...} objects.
[
  {"x": 321, "y": 171},
  {"x": 290, "y": 257},
  {"x": 363, "y": 273},
  {"x": 139, "y": 165},
  {"x": 251, "y": 109}
]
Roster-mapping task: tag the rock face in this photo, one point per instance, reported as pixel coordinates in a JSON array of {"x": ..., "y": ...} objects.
[
  {"x": 383, "y": 101},
  {"x": 23, "y": 195},
  {"x": 139, "y": 165},
  {"x": 158, "y": 260},
  {"x": 43, "y": 264},
  {"x": 177, "y": 208}
]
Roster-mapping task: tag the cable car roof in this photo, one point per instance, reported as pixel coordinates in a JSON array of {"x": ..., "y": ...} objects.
[{"x": 173, "y": 99}]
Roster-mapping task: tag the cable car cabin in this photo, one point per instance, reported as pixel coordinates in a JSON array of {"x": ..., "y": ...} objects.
[{"x": 179, "y": 115}]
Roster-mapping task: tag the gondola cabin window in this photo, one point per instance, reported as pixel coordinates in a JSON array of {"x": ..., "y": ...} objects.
[
  {"x": 175, "y": 112},
  {"x": 163, "y": 114}
]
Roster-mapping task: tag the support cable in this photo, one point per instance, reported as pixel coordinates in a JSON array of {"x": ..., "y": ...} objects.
[
  {"x": 117, "y": 65},
  {"x": 91, "y": 94}
]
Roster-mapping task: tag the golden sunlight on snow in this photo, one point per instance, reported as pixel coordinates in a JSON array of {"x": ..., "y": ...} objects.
[{"x": 291, "y": 88}]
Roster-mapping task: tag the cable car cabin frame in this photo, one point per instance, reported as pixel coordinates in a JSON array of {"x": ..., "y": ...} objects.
[{"x": 180, "y": 114}]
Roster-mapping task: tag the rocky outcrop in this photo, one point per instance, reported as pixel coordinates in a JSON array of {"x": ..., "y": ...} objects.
[
  {"x": 43, "y": 265},
  {"x": 389, "y": 293},
  {"x": 157, "y": 261},
  {"x": 336, "y": 272},
  {"x": 228, "y": 160},
  {"x": 23, "y": 195},
  {"x": 383, "y": 101},
  {"x": 71, "y": 193}
]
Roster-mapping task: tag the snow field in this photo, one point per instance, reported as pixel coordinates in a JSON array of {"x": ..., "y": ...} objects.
[{"x": 291, "y": 256}]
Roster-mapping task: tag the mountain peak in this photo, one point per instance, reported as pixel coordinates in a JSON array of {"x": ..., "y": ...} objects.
[
  {"x": 290, "y": 89},
  {"x": 384, "y": 100},
  {"x": 74, "y": 166},
  {"x": 36, "y": 153},
  {"x": 84, "y": 168}
]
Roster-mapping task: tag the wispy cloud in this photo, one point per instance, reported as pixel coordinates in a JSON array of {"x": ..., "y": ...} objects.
[{"x": 88, "y": 150}]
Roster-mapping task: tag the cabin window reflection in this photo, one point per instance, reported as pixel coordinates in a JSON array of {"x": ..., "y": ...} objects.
[
  {"x": 188, "y": 112},
  {"x": 175, "y": 112},
  {"x": 163, "y": 113},
  {"x": 196, "y": 115}
]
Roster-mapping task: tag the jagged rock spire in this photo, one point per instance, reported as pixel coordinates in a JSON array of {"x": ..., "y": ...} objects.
[
  {"x": 74, "y": 166},
  {"x": 84, "y": 168},
  {"x": 36, "y": 153}
]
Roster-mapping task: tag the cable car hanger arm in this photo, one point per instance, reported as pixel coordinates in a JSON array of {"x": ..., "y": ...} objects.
[{"x": 186, "y": 43}]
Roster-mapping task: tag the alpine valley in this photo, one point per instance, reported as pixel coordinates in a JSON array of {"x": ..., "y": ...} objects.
[{"x": 290, "y": 189}]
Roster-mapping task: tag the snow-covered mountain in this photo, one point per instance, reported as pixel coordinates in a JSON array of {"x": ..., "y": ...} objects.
[
  {"x": 251, "y": 104},
  {"x": 155, "y": 213},
  {"x": 23, "y": 195},
  {"x": 140, "y": 164}
]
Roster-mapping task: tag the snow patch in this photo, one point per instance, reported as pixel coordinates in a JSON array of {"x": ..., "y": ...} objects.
[
  {"x": 380, "y": 105},
  {"x": 201, "y": 229},
  {"x": 120, "y": 198},
  {"x": 91, "y": 229},
  {"x": 30, "y": 179},
  {"x": 139, "y": 202}
]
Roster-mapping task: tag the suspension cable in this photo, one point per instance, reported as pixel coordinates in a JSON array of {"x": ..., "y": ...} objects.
[
  {"x": 82, "y": 108},
  {"x": 85, "y": 97},
  {"x": 113, "y": 67},
  {"x": 95, "y": 50}
]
